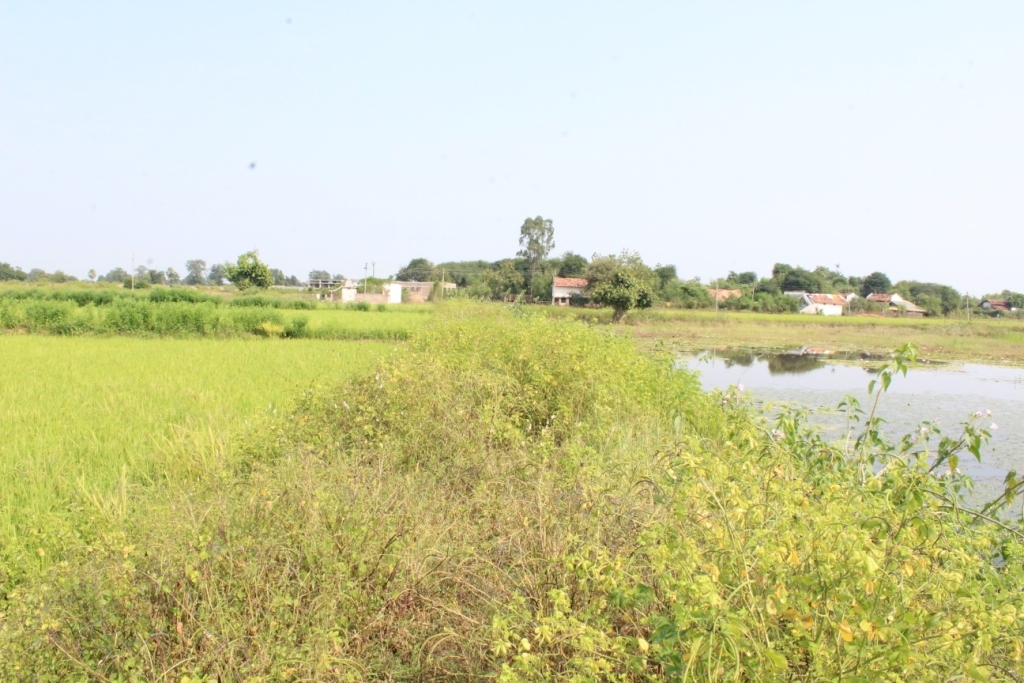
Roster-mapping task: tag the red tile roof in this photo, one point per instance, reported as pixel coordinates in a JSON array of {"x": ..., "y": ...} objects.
[
  {"x": 997, "y": 304},
  {"x": 831, "y": 299},
  {"x": 879, "y": 297},
  {"x": 579, "y": 282}
]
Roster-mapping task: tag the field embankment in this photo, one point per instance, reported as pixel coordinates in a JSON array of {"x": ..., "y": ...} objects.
[
  {"x": 526, "y": 499},
  {"x": 950, "y": 339}
]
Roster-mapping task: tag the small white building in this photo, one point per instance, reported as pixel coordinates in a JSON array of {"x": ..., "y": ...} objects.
[
  {"x": 822, "y": 304},
  {"x": 563, "y": 288}
]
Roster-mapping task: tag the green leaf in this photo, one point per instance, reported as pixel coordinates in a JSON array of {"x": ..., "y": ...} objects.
[{"x": 777, "y": 660}]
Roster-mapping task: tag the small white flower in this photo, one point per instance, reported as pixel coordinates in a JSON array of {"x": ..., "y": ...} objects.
[
  {"x": 924, "y": 430},
  {"x": 777, "y": 434},
  {"x": 978, "y": 414},
  {"x": 988, "y": 412},
  {"x": 993, "y": 426},
  {"x": 739, "y": 387}
]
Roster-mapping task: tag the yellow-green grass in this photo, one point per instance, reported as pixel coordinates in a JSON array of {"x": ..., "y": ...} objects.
[
  {"x": 396, "y": 321},
  {"x": 984, "y": 340},
  {"x": 83, "y": 419}
]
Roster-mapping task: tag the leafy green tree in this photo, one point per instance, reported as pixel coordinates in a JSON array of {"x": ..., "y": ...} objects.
[
  {"x": 319, "y": 275},
  {"x": 747, "y": 278},
  {"x": 800, "y": 280},
  {"x": 92, "y": 273},
  {"x": 36, "y": 274},
  {"x": 418, "y": 270},
  {"x": 915, "y": 291},
  {"x": 248, "y": 271},
  {"x": 623, "y": 292},
  {"x": 173, "y": 278},
  {"x": 1015, "y": 299},
  {"x": 536, "y": 240},
  {"x": 505, "y": 279},
  {"x": 876, "y": 282},
  {"x": 217, "y": 274},
  {"x": 196, "y": 272},
  {"x": 572, "y": 265},
  {"x": 115, "y": 275},
  {"x": 9, "y": 272}
]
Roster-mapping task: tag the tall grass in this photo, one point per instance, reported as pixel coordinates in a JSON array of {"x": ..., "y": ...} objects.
[
  {"x": 529, "y": 500},
  {"x": 82, "y": 418}
]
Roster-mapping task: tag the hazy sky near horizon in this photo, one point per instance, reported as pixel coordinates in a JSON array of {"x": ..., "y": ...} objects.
[{"x": 716, "y": 135}]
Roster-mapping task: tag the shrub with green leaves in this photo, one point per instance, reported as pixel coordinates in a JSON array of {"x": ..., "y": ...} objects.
[{"x": 528, "y": 499}]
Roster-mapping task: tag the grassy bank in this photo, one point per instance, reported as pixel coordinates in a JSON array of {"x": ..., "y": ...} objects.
[
  {"x": 525, "y": 499},
  {"x": 985, "y": 340},
  {"x": 87, "y": 420}
]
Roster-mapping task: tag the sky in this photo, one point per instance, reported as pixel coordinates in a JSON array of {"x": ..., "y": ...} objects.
[{"x": 716, "y": 136}]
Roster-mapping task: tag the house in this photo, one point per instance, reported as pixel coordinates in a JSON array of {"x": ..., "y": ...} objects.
[
  {"x": 822, "y": 304},
  {"x": 723, "y": 294},
  {"x": 563, "y": 289},
  {"x": 1000, "y": 305},
  {"x": 896, "y": 305}
]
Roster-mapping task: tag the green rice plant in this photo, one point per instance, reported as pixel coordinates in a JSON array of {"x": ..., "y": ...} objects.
[
  {"x": 85, "y": 419},
  {"x": 525, "y": 499},
  {"x": 161, "y": 295}
]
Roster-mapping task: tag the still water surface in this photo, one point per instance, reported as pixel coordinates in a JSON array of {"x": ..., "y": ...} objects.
[{"x": 818, "y": 380}]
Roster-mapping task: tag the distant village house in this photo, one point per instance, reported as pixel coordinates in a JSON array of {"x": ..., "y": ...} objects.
[
  {"x": 1000, "y": 305},
  {"x": 897, "y": 305},
  {"x": 822, "y": 304},
  {"x": 563, "y": 289}
]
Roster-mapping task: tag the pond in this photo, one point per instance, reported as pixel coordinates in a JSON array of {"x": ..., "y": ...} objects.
[{"x": 818, "y": 379}]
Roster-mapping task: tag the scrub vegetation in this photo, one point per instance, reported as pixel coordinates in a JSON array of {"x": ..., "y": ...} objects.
[{"x": 526, "y": 498}]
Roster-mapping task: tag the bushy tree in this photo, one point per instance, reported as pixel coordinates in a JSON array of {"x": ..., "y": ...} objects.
[
  {"x": 536, "y": 240},
  {"x": 9, "y": 272},
  {"x": 115, "y": 275},
  {"x": 173, "y": 278},
  {"x": 623, "y": 292},
  {"x": 505, "y": 279},
  {"x": 36, "y": 274},
  {"x": 92, "y": 273},
  {"x": 319, "y": 275},
  {"x": 217, "y": 274},
  {"x": 417, "y": 270},
  {"x": 248, "y": 272},
  {"x": 876, "y": 282},
  {"x": 746, "y": 278},
  {"x": 196, "y": 272},
  {"x": 572, "y": 265},
  {"x": 800, "y": 280}
]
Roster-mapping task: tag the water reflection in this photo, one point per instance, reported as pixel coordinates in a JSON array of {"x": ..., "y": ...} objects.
[{"x": 818, "y": 378}]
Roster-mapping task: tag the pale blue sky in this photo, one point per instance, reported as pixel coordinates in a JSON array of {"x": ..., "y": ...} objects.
[{"x": 876, "y": 135}]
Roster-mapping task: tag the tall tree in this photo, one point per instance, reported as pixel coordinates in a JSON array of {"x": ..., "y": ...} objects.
[
  {"x": 196, "y": 272},
  {"x": 172, "y": 277},
  {"x": 536, "y": 240},
  {"x": 876, "y": 282},
  {"x": 216, "y": 275},
  {"x": 418, "y": 270},
  {"x": 319, "y": 275},
  {"x": 572, "y": 265}
]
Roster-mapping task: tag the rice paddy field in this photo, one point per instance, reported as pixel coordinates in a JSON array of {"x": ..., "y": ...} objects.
[{"x": 86, "y": 419}]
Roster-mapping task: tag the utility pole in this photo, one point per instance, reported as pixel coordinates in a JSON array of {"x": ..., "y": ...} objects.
[
  {"x": 366, "y": 267},
  {"x": 374, "y": 271}
]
